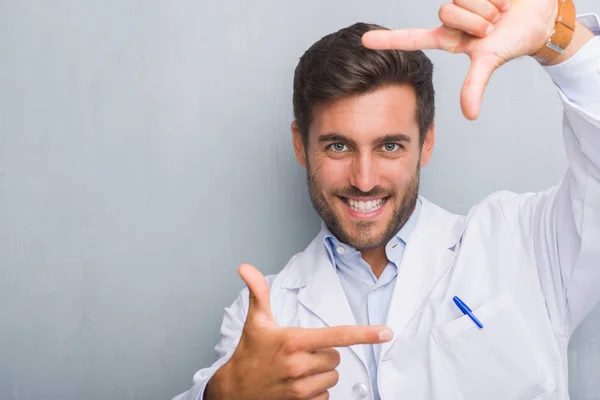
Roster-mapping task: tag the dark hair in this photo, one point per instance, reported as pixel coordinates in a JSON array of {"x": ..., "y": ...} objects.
[{"x": 338, "y": 65}]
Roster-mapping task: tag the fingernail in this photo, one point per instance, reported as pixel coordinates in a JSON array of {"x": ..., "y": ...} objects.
[
  {"x": 496, "y": 19},
  {"x": 386, "y": 335},
  {"x": 489, "y": 30},
  {"x": 506, "y": 6}
]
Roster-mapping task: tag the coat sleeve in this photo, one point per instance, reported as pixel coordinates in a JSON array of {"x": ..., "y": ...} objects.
[
  {"x": 231, "y": 331},
  {"x": 561, "y": 226}
]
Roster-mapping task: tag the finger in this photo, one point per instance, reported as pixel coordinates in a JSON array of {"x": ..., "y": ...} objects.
[
  {"x": 482, "y": 68},
  {"x": 338, "y": 336},
  {"x": 459, "y": 18},
  {"x": 321, "y": 396},
  {"x": 313, "y": 385},
  {"x": 502, "y": 5},
  {"x": 441, "y": 38},
  {"x": 483, "y": 8},
  {"x": 259, "y": 309},
  {"x": 310, "y": 363},
  {"x": 402, "y": 39}
]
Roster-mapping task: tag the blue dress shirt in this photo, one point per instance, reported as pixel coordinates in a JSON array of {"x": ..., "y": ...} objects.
[{"x": 369, "y": 297}]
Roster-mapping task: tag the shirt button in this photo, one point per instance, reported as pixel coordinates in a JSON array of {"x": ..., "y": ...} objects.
[
  {"x": 360, "y": 391},
  {"x": 340, "y": 250}
]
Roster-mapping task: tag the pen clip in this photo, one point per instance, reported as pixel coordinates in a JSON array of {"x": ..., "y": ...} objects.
[{"x": 466, "y": 310}]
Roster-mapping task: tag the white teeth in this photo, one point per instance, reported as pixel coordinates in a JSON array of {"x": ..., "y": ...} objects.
[{"x": 366, "y": 206}]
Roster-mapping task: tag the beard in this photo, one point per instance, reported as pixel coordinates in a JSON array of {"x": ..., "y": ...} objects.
[{"x": 364, "y": 238}]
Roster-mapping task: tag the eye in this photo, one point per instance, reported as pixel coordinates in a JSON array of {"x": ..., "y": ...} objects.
[
  {"x": 390, "y": 147},
  {"x": 337, "y": 147}
]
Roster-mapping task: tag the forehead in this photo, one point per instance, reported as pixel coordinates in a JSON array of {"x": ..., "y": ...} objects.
[{"x": 390, "y": 109}]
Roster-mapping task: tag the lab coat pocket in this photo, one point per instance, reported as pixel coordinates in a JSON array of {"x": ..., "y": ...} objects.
[{"x": 500, "y": 361}]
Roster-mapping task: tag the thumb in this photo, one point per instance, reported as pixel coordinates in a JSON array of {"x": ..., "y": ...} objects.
[
  {"x": 483, "y": 66},
  {"x": 259, "y": 309}
]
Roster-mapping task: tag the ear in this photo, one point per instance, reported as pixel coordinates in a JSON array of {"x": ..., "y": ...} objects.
[
  {"x": 298, "y": 144},
  {"x": 427, "y": 147}
]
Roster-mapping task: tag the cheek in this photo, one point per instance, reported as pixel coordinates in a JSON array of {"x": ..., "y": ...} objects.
[
  {"x": 397, "y": 174},
  {"x": 331, "y": 173}
]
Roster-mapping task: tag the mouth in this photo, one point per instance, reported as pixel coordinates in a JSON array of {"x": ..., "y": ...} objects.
[{"x": 364, "y": 208}]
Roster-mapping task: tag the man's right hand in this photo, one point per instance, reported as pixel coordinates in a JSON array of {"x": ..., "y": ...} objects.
[{"x": 272, "y": 362}]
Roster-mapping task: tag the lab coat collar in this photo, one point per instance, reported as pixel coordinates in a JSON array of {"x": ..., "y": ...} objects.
[{"x": 320, "y": 290}]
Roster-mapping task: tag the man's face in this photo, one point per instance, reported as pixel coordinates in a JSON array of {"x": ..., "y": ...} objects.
[{"x": 363, "y": 160}]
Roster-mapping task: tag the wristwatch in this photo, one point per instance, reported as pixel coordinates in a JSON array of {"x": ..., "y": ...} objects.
[{"x": 561, "y": 34}]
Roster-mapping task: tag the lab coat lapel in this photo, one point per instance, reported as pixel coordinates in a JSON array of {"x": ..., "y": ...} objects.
[
  {"x": 428, "y": 254},
  {"x": 323, "y": 294}
]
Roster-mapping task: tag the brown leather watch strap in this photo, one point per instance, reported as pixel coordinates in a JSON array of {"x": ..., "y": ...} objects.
[{"x": 561, "y": 35}]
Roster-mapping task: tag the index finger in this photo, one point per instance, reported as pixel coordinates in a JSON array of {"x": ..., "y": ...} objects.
[
  {"x": 340, "y": 336},
  {"x": 402, "y": 39}
]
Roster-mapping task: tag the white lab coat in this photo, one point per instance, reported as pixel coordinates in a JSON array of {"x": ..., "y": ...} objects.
[{"x": 527, "y": 264}]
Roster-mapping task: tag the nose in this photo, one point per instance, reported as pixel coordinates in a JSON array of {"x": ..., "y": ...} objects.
[{"x": 364, "y": 174}]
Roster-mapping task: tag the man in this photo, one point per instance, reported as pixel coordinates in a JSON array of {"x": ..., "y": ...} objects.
[{"x": 397, "y": 298}]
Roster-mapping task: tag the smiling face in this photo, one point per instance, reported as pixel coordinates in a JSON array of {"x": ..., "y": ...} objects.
[{"x": 363, "y": 159}]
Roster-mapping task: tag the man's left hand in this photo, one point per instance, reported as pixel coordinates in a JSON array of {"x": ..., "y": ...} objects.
[{"x": 489, "y": 32}]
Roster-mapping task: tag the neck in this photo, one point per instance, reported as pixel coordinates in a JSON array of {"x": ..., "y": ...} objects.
[{"x": 376, "y": 258}]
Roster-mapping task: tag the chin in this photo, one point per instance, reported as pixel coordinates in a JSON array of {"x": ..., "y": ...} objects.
[{"x": 365, "y": 235}]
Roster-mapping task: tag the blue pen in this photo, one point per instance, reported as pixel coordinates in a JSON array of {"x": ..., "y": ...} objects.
[{"x": 467, "y": 311}]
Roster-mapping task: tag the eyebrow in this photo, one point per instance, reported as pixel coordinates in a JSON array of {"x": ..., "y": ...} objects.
[
  {"x": 394, "y": 137},
  {"x": 335, "y": 137},
  {"x": 338, "y": 137}
]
